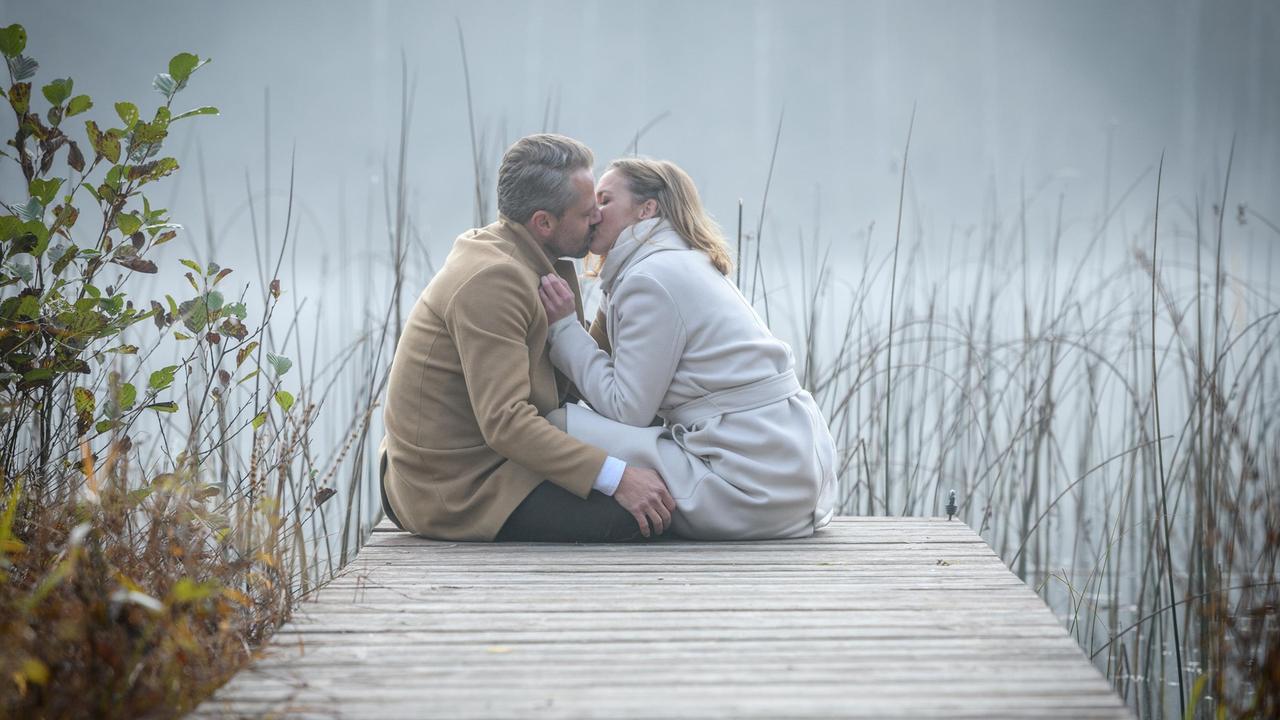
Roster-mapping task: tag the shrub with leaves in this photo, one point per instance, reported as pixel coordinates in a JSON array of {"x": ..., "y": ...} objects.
[{"x": 143, "y": 550}]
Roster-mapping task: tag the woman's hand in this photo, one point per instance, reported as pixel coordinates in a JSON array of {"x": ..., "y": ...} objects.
[{"x": 557, "y": 298}]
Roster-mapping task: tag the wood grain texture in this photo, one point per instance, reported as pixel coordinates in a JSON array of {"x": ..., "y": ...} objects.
[{"x": 871, "y": 617}]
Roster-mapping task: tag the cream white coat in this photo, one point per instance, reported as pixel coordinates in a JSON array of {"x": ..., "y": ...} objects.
[{"x": 684, "y": 339}]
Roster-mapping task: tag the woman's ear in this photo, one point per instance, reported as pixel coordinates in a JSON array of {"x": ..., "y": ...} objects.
[{"x": 649, "y": 209}]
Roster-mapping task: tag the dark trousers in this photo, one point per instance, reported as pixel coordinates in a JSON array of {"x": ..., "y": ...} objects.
[{"x": 552, "y": 514}]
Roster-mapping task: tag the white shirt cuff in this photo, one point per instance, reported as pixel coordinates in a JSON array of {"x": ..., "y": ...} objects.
[{"x": 610, "y": 475}]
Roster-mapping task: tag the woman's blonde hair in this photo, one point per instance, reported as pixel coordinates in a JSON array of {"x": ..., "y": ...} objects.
[{"x": 678, "y": 203}]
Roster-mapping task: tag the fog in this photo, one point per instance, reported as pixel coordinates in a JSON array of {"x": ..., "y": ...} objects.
[
  {"x": 1071, "y": 99},
  {"x": 1037, "y": 130}
]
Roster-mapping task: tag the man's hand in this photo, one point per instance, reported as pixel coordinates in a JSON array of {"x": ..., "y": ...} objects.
[
  {"x": 642, "y": 493},
  {"x": 557, "y": 298}
]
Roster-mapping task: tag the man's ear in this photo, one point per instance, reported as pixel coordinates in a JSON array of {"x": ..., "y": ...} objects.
[{"x": 542, "y": 224}]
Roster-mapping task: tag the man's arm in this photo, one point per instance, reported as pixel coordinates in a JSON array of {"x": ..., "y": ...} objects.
[{"x": 489, "y": 319}]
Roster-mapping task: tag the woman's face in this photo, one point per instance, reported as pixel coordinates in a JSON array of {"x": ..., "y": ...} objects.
[{"x": 618, "y": 210}]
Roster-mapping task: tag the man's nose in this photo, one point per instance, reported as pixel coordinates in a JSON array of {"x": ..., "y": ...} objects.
[{"x": 596, "y": 216}]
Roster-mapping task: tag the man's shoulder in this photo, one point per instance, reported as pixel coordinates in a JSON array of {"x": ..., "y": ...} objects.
[{"x": 481, "y": 266}]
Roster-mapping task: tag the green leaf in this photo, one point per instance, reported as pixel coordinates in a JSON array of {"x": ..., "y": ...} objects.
[
  {"x": 259, "y": 419},
  {"x": 162, "y": 378},
  {"x": 79, "y": 104},
  {"x": 164, "y": 407},
  {"x": 182, "y": 65},
  {"x": 180, "y": 335},
  {"x": 10, "y": 227},
  {"x": 13, "y": 40},
  {"x": 57, "y": 91},
  {"x": 247, "y": 378},
  {"x": 65, "y": 259},
  {"x": 28, "y": 307},
  {"x": 213, "y": 300},
  {"x": 44, "y": 189},
  {"x": 19, "y": 95},
  {"x": 187, "y": 590},
  {"x": 236, "y": 310},
  {"x": 284, "y": 400},
  {"x": 206, "y": 110},
  {"x": 83, "y": 398},
  {"x": 128, "y": 113},
  {"x": 128, "y": 396},
  {"x": 23, "y": 68},
  {"x": 128, "y": 223},
  {"x": 85, "y": 405},
  {"x": 165, "y": 85},
  {"x": 194, "y": 314},
  {"x": 279, "y": 363},
  {"x": 106, "y": 425},
  {"x": 33, "y": 210},
  {"x": 23, "y": 271},
  {"x": 104, "y": 144},
  {"x": 244, "y": 352},
  {"x": 193, "y": 265},
  {"x": 154, "y": 170},
  {"x": 38, "y": 375}
]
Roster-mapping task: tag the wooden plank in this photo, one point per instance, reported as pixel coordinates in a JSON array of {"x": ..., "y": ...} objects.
[{"x": 872, "y": 617}]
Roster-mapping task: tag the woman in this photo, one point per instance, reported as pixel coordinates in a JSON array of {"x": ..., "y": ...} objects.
[{"x": 743, "y": 448}]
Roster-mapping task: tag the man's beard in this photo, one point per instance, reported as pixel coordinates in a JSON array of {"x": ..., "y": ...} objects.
[{"x": 585, "y": 247}]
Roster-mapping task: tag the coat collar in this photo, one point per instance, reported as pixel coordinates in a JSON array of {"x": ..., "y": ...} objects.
[
  {"x": 636, "y": 243},
  {"x": 527, "y": 248},
  {"x": 531, "y": 254}
]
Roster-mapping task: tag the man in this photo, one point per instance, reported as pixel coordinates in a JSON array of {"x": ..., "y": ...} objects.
[{"x": 469, "y": 452}]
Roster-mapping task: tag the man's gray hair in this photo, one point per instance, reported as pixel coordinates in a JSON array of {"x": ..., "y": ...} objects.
[{"x": 535, "y": 175}]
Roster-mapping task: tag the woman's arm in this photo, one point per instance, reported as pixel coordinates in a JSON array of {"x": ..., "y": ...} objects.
[
  {"x": 648, "y": 343},
  {"x": 600, "y": 330}
]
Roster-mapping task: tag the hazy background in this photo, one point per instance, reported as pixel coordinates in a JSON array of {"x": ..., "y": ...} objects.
[
  {"x": 1071, "y": 98},
  {"x": 1028, "y": 199}
]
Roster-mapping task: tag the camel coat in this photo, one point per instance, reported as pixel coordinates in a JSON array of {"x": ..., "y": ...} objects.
[
  {"x": 471, "y": 383},
  {"x": 743, "y": 448}
]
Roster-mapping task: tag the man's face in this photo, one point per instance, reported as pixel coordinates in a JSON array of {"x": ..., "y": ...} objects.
[{"x": 572, "y": 232}]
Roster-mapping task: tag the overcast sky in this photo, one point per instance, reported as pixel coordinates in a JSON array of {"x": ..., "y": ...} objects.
[{"x": 1006, "y": 94}]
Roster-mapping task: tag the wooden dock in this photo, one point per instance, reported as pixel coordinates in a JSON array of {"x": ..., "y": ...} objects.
[{"x": 872, "y": 617}]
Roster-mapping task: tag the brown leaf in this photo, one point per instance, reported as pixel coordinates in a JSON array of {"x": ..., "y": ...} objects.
[
  {"x": 20, "y": 97},
  {"x": 136, "y": 264},
  {"x": 138, "y": 240},
  {"x": 213, "y": 338},
  {"x": 224, "y": 377},
  {"x": 74, "y": 157},
  {"x": 275, "y": 288},
  {"x": 48, "y": 148}
]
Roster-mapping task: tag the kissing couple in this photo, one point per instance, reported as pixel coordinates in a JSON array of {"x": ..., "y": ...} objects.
[{"x": 677, "y": 411}]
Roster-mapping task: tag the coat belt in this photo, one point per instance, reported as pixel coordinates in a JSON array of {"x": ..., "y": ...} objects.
[{"x": 744, "y": 397}]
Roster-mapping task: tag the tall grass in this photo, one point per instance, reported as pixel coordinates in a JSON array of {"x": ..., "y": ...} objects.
[{"x": 1041, "y": 394}]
